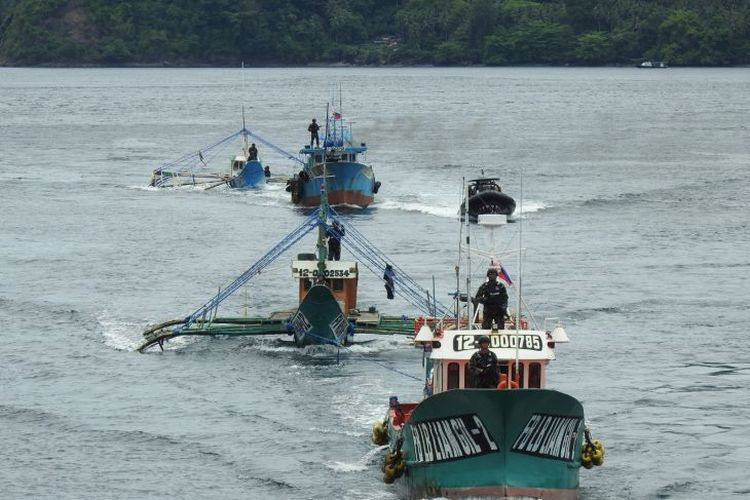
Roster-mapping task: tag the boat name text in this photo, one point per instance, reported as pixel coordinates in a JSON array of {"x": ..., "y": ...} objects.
[
  {"x": 328, "y": 273},
  {"x": 471, "y": 342},
  {"x": 549, "y": 436},
  {"x": 451, "y": 438},
  {"x": 300, "y": 324}
]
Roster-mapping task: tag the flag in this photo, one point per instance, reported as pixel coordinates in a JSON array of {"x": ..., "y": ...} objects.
[
  {"x": 503, "y": 275},
  {"x": 336, "y": 116}
]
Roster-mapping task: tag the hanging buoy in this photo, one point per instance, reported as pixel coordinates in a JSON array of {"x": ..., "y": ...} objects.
[{"x": 379, "y": 433}]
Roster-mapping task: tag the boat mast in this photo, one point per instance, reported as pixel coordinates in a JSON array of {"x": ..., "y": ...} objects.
[
  {"x": 322, "y": 217},
  {"x": 520, "y": 273},
  {"x": 458, "y": 264},
  {"x": 469, "y": 302}
]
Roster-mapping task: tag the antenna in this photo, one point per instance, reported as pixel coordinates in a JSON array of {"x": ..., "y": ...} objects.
[
  {"x": 469, "y": 302},
  {"x": 520, "y": 270}
]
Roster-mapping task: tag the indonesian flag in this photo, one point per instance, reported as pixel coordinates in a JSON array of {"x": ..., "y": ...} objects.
[{"x": 336, "y": 116}]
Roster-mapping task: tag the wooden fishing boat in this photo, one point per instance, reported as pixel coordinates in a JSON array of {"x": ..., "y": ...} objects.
[
  {"x": 327, "y": 311},
  {"x": 335, "y": 166},
  {"x": 518, "y": 439}
]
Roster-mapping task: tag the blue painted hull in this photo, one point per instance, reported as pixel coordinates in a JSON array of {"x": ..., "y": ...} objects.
[
  {"x": 347, "y": 183},
  {"x": 250, "y": 176}
]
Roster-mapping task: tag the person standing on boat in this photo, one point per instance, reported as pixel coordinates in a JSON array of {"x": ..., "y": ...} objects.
[
  {"x": 335, "y": 233},
  {"x": 313, "y": 129},
  {"x": 494, "y": 297},
  {"x": 483, "y": 365},
  {"x": 252, "y": 153}
]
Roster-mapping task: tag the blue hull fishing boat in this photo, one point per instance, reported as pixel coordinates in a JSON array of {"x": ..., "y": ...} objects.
[
  {"x": 199, "y": 169},
  {"x": 336, "y": 167},
  {"x": 251, "y": 175}
]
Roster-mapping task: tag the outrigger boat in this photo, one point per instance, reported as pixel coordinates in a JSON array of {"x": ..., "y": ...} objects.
[
  {"x": 521, "y": 439},
  {"x": 485, "y": 197},
  {"x": 327, "y": 312},
  {"x": 197, "y": 169},
  {"x": 336, "y": 166}
]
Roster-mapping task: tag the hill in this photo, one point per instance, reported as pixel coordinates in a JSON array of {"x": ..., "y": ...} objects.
[{"x": 442, "y": 32}]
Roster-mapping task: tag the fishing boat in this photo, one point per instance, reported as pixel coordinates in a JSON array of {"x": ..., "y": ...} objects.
[
  {"x": 486, "y": 196},
  {"x": 327, "y": 311},
  {"x": 518, "y": 439},
  {"x": 337, "y": 166},
  {"x": 652, "y": 65},
  {"x": 245, "y": 170}
]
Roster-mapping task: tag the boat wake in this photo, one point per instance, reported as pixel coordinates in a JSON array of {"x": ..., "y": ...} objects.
[
  {"x": 448, "y": 211},
  {"x": 371, "y": 457},
  {"x": 124, "y": 335}
]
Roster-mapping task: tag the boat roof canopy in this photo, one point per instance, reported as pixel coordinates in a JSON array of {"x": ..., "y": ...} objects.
[
  {"x": 347, "y": 149},
  {"x": 485, "y": 180}
]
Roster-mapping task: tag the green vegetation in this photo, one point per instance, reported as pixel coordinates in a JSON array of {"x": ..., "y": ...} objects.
[{"x": 444, "y": 32}]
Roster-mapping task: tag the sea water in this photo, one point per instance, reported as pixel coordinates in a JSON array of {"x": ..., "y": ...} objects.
[{"x": 632, "y": 188}]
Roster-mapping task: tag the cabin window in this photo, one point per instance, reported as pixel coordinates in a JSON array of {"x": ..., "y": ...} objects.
[
  {"x": 338, "y": 285},
  {"x": 468, "y": 377},
  {"x": 453, "y": 374},
  {"x": 502, "y": 369},
  {"x": 306, "y": 283},
  {"x": 520, "y": 373},
  {"x": 318, "y": 158},
  {"x": 535, "y": 375}
]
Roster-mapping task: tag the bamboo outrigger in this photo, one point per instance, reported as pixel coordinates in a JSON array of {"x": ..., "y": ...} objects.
[{"x": 327, "y": 312}]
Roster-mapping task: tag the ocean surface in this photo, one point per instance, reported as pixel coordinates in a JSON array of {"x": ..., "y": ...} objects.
[{"x": 635, "y": 218}]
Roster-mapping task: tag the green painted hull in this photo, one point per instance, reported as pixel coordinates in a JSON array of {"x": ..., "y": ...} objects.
[
  {"x": 319, "y": 319},
  {"x": 523, "y": 442}
]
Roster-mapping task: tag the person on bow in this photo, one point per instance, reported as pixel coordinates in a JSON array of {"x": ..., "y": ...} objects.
[
  {"x": 483, "y": 365},
  {"x": 494, "y": 297},
  {"x": 313, "y": 129},
  {"x": 252, "y": 153}
]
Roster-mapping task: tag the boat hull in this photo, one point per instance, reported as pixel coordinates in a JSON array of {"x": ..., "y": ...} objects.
[
  {"x": 347, "y": 183},
  {"x": 250, "y": 176},
  {"x": 319, "y": 319},
  {"x": 489, "y": 202},
  {"x": 522, "y": 442}
]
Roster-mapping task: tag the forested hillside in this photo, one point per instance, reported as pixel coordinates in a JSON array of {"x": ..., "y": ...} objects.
[{"x": 443, "y": 32}]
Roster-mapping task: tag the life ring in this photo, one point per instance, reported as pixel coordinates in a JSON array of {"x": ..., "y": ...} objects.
[{"x": 503, "y": 384}]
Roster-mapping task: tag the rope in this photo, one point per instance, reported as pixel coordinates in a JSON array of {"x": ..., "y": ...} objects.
[
  {"x": 308, "y": 225},
  {"x": 376, "y": 261}
]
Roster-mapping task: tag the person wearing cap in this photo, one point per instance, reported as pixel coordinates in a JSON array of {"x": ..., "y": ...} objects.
[
  {"x": 483, "y": 365},
  {"x": 313, "y": 129},
  {"x": 494, "y": 297}
]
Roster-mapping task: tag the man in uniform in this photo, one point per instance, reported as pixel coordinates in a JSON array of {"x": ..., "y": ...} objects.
[
  {"x": 483, "y": 365},
  {"x": 335, "y": 233},
  {"x": 313, "y": 129},
  {"x": 494, "y": 297}
]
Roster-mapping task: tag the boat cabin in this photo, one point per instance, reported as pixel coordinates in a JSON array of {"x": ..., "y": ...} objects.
[
  {"x": 340, "y": 276},
  {"x": 451, "y": 352},
  {"x": 317, "y": 156},
  {"x": 238, "y": 163}
]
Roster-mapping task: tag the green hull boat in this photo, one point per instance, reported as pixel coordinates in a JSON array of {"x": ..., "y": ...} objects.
[
  {"x": 522, "y": 442},
  {"x": 319, "y": 319}
]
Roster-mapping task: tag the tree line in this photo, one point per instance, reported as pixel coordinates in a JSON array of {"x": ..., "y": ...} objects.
[{"x": 374, "y": 32}]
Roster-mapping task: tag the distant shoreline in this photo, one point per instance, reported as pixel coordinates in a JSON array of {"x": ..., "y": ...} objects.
[{"x": 331, "y": 66}]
